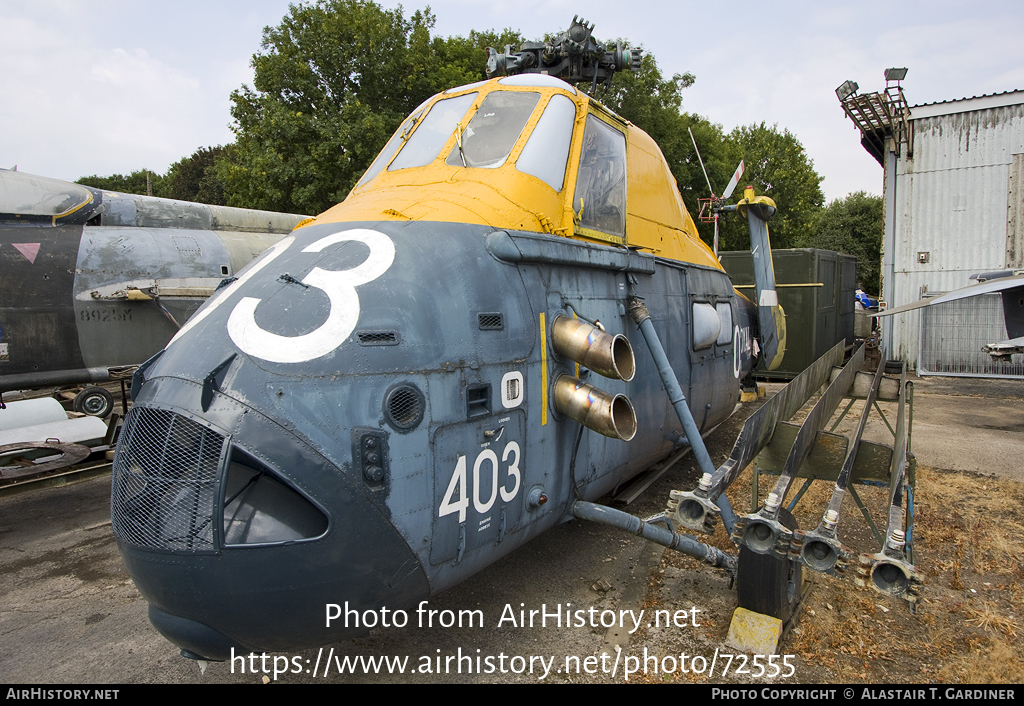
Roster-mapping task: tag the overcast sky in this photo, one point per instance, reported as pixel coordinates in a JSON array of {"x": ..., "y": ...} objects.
[{"x": 113, "y": 86}]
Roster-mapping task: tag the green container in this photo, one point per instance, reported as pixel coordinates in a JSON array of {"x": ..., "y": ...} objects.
[{"x": 817, "y": 290}]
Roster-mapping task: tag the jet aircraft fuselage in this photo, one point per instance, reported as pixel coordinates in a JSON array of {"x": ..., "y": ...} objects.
[{"x": 93, "y": 280}]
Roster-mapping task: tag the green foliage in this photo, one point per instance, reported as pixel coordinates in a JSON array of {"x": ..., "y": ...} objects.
[
  {"x": 776, "y": 162},
  {"x": 336, "y": 78},
  {"x": 852, "y": 225},
  {"x": 333, "y": 82},
  {"x": 195, "y": 178},
  {"x": 777, "y": 166},
  {"x": 189, "y": 179},
  {"x": 134, "y": 183},
  {"x": 654, "y": 104}
]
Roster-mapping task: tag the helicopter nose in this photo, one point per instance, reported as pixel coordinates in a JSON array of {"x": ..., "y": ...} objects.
[{"x": 242, "y": 537}]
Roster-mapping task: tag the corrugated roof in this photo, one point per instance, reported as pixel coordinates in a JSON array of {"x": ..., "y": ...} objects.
[
  {"x": 968, "y": 98},
  {"x": 961, "y": 105}
]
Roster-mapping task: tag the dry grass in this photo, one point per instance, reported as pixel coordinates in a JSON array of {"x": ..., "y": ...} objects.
[
  {"x": 968, "y": 539},
  {"x": 969, "y": 546},
  {"x": 988, "y": 617}
]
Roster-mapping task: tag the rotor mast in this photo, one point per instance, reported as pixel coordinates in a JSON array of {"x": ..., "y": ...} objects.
[{"x": 573, "y": 56}]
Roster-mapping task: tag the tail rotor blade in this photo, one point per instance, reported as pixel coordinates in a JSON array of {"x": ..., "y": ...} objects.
[
  {"x": 771, "y": 319},
  {"x": 734, "y": 181}
]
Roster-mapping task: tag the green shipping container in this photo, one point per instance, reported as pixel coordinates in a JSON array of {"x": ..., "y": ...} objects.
[{"x": 817, "y": 291}]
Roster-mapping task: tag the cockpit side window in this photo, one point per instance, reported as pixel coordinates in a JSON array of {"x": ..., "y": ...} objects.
[
  {"x": 433, "y": 132},
  {"x": 389, "y": 150},
  {"x": 547, "y": 151},
  {"x": 600, "y": 198},
  {"x": 494, "y": 130}
]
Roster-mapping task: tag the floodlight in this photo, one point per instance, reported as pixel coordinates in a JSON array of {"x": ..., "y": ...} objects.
[
  {"x": 895, "y": 74},
  {"x": 846, "y": 90}
]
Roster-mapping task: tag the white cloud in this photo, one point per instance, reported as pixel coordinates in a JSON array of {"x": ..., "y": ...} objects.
[{"x": 114, "y": 85}]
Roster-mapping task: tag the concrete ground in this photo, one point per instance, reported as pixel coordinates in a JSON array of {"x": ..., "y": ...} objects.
[{"x": 965, "y": 424}]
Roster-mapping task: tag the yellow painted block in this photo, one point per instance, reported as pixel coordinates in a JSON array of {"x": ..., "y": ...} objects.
[
  {"x": 754, "y": 633},
  {"x": 750, "y": 396}
]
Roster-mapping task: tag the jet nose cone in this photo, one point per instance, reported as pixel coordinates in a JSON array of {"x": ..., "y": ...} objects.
[{"x": 241, "y": 536}]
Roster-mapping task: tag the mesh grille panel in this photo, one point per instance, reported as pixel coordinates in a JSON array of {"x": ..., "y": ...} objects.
[
  {"x": 377, "y": 338},
  {"x": 953, "y": 333},
  {"x": 164, "y": 481},
  {"x": 404, "y": 407},
  {"x": 491, "y": 321}
]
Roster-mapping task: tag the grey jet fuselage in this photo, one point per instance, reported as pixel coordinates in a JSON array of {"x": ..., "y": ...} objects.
[{"x": 92, "y": 280}]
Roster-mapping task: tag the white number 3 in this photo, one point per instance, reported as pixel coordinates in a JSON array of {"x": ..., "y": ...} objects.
[{"x": 340, "y": 287}]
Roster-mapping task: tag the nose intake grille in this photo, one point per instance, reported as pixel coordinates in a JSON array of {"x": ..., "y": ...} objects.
[{"x": 164, "y": 482}]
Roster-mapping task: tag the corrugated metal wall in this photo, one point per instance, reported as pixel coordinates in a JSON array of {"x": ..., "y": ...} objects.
[{"x": 951, "y": 203}]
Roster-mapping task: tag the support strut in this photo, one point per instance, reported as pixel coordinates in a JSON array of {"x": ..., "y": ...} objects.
[
  {"x": 634, "y": 525},
  {"x": 638, "y": 311}
]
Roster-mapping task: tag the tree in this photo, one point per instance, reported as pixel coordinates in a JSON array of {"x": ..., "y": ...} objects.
[
  {"x": 777, "y": 166},
  {"x": 195, "y": 178},
  {"x": 852, "y": 225},
  {"x": 776, "y": 163},
  {"x": 134, "y": 183},
  {"x": 333, "y": 82}
]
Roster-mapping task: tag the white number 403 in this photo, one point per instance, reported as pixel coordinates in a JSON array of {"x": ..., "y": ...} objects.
[{"x": 457, "y": 484}]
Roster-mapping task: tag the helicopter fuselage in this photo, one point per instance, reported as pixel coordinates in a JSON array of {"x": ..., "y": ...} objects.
[{"x": 375, "y": 409}]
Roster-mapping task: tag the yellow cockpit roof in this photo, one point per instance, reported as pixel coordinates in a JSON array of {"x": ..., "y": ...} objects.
[{"x": 531, "y": 153}]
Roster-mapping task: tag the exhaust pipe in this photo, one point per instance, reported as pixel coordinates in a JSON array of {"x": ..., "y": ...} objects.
[
  {"x": 605, "y": 354},
  {"x": 607, "y": 414}
]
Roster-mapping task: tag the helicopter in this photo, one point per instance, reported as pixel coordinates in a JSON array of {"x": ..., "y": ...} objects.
[
  {"x": 93, "y": 282},
  {"x": 440, "y": 368}
]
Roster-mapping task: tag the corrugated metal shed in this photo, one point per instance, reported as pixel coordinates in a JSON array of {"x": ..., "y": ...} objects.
[{"x": 950, "y": 205}]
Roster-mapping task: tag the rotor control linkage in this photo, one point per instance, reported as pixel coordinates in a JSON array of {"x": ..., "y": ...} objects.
[
  {"x": 682, "y": 543},
  {"x": 573, "y": 56},
  {"x": 762, "y": 532}
]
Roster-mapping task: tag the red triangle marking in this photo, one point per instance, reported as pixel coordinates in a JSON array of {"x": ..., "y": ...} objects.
[{"x": 29, "y": 250}]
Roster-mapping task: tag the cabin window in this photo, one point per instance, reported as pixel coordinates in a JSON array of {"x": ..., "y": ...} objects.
[
  {"x": 402, "y": 134},
  {"x": 389, "y": 151},
  {"x": 600, "y": 199},
  {"x": 494, "y": 130},
  {"x": 725, "y": 316},
  {"x": 433, "y": 132},
  {"x": 706, "y": 325},
  {"x": 547, "y": 151}
]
